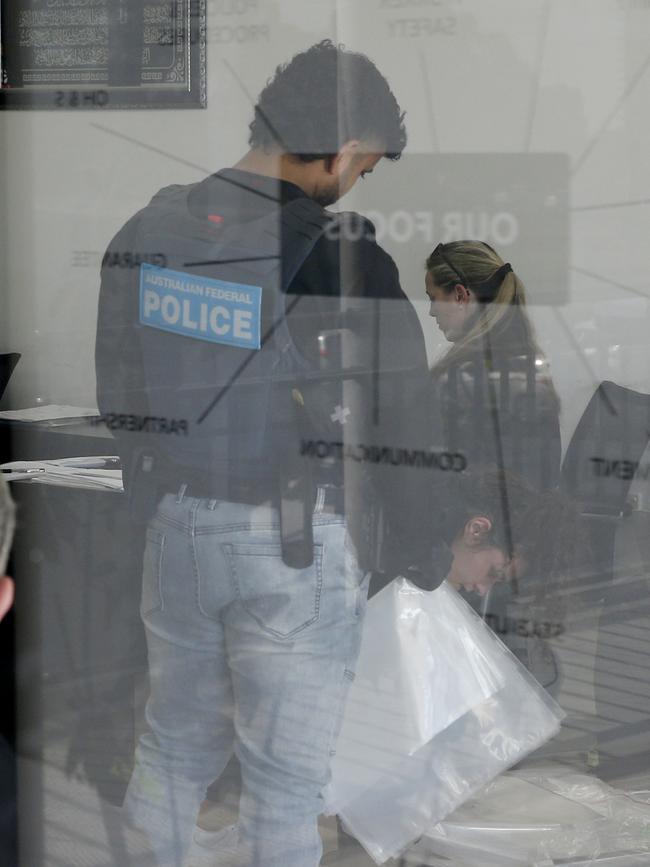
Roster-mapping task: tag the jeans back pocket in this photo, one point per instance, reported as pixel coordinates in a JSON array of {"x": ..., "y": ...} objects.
[{"x": 282, "y": 600}]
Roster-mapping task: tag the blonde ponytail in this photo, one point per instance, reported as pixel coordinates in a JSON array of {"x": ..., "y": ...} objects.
[{"x": 501, "y": 304}]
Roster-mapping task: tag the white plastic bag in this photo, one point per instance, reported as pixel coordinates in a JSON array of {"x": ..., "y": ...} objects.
[
  {"x": 388, "y": 801},
  {"x": 545, "y": 814},
  {"x": 420, "y": 668}
]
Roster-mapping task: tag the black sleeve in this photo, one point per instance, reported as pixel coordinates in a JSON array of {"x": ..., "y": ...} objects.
[
  {"x": 351, "y": 284},
  {"x": 397, "y": 424}
]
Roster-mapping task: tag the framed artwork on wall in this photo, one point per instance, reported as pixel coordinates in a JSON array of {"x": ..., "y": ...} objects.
[{"x": 102, "y": 54}]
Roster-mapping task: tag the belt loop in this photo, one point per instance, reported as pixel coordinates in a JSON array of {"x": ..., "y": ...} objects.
[
  {"x": 181, "y": 494},
  {"x": 212, "y": 505}
]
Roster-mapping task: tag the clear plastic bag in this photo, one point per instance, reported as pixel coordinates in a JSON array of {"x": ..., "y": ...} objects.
[
  {"x": 419, "y": 669},
  {"x": 388, "y": 801},
  {"x": 546, "y": 814}
]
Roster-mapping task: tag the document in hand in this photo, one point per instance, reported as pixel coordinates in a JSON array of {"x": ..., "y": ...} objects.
[{"x": 438, "y": 709}]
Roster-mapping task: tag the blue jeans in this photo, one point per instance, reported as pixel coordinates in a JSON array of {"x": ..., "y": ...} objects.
[{"x": 248, "y": 654}]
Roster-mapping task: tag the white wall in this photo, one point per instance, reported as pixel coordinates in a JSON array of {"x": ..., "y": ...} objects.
[{"x": 500, "y": 77}]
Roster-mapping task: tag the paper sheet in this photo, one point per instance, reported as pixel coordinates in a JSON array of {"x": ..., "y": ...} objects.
[{"x": 48, "y": 412}]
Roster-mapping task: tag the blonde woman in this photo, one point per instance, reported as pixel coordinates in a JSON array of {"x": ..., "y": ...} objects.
[{"x": 494, "y": 400}]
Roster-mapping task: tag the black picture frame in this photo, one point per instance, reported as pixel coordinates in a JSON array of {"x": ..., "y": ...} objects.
[{"x": 102, "y": 54}]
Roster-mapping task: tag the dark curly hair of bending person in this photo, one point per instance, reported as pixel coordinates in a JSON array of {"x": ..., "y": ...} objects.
[
  {"x": 544, "y": 529},
  {"x": 323, "y": 98}
]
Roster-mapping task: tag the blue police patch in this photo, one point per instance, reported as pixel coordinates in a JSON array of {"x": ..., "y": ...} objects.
[{"x": 200, "y": 307}]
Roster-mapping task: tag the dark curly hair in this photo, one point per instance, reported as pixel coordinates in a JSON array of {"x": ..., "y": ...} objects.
[
  {"x": 545, "y": 527},
  {"x": 324, "y": 97}
]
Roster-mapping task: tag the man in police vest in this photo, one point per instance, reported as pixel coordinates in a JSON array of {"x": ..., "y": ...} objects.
[{"x": 264, "y": 360}]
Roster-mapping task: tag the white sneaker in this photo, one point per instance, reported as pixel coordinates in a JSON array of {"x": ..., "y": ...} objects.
[{"x": 207, "y": 846}]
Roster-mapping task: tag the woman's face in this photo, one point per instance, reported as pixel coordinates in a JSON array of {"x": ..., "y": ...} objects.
[{"x": 448, "y": 309}]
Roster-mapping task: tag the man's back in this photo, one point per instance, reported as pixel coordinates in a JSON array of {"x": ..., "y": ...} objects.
[
  {"x": 287, "y": 466},
  {"x": 343, "y": 313}
]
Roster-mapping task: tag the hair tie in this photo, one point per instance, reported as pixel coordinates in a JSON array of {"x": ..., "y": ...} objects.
[
  {"x": 485, "y": 289},
  {"x": 507, "y": 269}
]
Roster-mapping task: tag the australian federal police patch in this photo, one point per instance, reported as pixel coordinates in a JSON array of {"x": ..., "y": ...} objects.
[{"x": 201, "y": 307}]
